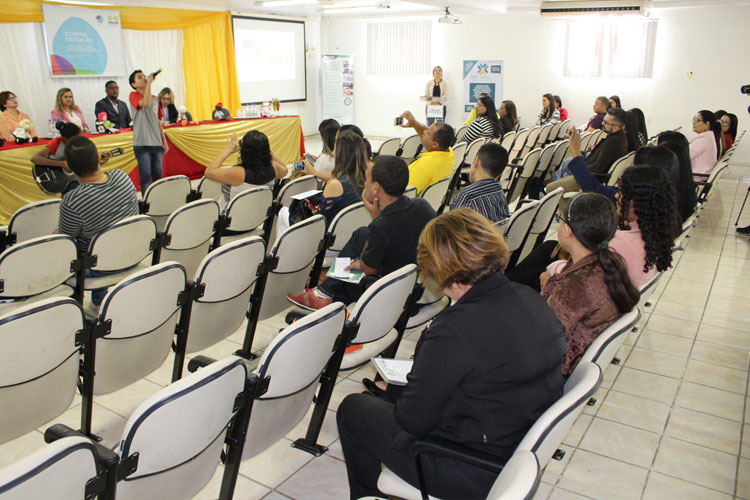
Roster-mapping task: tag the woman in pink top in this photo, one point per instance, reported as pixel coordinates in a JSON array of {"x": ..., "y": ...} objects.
[
  {"x": 67, "y": 110},
  {"x": 705, "y": 145},
  {"x": 10, "y": 118}
]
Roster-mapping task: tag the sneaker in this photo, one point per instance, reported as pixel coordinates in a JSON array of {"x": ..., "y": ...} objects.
[
  {"x": 743, "y": 231},
  {"x": 308, "y": 300}
]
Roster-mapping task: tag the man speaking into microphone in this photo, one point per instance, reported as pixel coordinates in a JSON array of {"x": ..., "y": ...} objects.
[{"x": 149, "y": 141}]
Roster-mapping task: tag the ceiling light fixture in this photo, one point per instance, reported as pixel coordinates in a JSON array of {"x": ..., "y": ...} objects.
[{"x": 449, "y": 18}]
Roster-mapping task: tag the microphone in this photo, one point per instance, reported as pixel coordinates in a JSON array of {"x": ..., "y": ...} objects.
[{"x": 156, "y": 72}]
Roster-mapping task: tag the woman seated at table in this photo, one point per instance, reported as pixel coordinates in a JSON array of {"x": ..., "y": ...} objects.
[
  {"x": 168, "y": 109},
  {"x": 10, "y": 116},
  {"x": 258, "y": 166},
  {"x": 484, "y": 370},
  {"x": 592, "y": 289},
  {"x": 67, "y": 110}
]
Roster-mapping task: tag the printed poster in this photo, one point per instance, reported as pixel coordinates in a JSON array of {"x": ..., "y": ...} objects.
[
  {"x": 482, "y": 77},
  {"x": 83, "y": 42},
  {"x": 338, "y": 87}
]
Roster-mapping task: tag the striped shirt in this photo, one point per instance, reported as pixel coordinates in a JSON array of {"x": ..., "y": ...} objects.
[
  {"x": 485, "y": 197},
  {"x": 481, "y": 127},
  {"x": 91, "y": 208}
]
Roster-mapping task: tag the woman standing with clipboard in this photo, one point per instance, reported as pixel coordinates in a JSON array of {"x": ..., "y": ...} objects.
[{"x": 435, "y": 88}]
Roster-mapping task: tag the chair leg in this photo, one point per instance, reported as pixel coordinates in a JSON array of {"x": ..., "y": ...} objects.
[
  {"x": 92, "y": 330},
  {"x": 191, "y": 293},
  {"x": 256, "y": 300}
]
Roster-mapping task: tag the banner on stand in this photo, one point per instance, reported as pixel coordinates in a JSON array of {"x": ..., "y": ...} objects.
[
  {"x": 83, "y": 42},
  {"x": 338, "y": 87},
  {"x": 482, "y": 77}
]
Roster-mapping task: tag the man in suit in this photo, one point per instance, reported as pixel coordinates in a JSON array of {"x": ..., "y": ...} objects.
[{"x": 117, "y": 110}]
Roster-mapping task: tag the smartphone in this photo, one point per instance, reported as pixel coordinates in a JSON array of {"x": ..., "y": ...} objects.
[
  {"x": 310, "y": 158},
  {"x": 399, "y": 120},
  {"x": 298, "y": 165}
]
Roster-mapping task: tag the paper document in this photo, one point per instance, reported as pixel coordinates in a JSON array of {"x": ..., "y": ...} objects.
[
  {"x": 354, "y": 276},
  {"x": 340, "y": 268},
  {"x": 393, "y": 371},
  {"x": 306, "y": 194}
]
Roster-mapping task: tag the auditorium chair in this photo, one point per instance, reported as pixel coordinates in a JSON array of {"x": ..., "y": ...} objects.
[
  {"x": 518, "y": 144},
  {"x": 389, "y": 147},
  {"x": 39, "y": 362},
  {"x": 71, "y": 467},
  {"x": 603, "y": 349},
  {"x": 459, "y": 154},
  {"x": 118, "y": 251},
  {"x": 542, "y": 439},
  {"x": 545, "y": 162},
  {"x": 542, "y": 222},
  {"x": 561, "y": 151},
  {"x": 435, "y": 194},
  {"x": 36, "y": 269},
  {"x": 348, "y": 220},
  {"x": 519, "y": 184},
  {"x": 410, "y": 148},
  {"x": 471, "y": 152},
  {"x": 245, "y": 213},
  {"x": 189, "y": 231},
  {"x": 647, "y": 290},
  {"x": 460, "y": 131},
  {"x": 39, "y": 218},
  {"x": 507, "y": 140},
  {"x": 517, "y": 230},
  {"x": 530, "y": 141},
  {"x": 543, "y": 136},
  {"x": 410, "y": 192},
  {"x": 564, "y": 127},
  {"x": 427, "y": 306},
  {"x": 284, "y": 198},
  {"x": 209, "y": 189},
  {"x": 618, "y": 168},
  {"x": 555, "y": 132},
  {"x": 133, "y": 333},
  {"x": 586, "y": 138},
  {"x": 165, "y": 196}
]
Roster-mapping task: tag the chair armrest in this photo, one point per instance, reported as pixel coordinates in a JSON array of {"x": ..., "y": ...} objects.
[
  {"x": 103, "y": 454},
  {"x": 463, "y": 453},
  {"x": 199, "y": 362},
  {"x": 525, "y": 200},
  {"x": 701, "y": 175},
  {"x": 701, "y": 183}
]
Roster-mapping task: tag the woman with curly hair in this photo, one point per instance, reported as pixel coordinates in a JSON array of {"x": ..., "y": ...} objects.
[{"x": 258, "y": 165}]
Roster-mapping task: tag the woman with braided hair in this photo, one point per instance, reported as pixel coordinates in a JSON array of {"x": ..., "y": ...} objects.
[{"x": 593, "y": 289}]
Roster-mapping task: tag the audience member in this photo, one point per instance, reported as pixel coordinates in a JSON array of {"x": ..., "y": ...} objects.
[
  {"x": 705, "y": 146},
  {"x": 593, "y": 289},
  {"x": 601, "y": 106},
  {"x": 328, "y": 129},
  {"x": 686, "y": 197},
  {"x": 728, "y": 124},
  {"x": 549, "y": 113},
  {"x": 633, "y": 136},
  {"x": 473, "y": 113},
  {"x": 67, "y": 110},
  {"x": 258, "y": 166},
  {"x": 387, "y": 244},
  {"x": 169, "y": 111},
  {"x": 437, "y": 158},
  {"x": 117, "y": 110},
  {"x": 559, "y": 106},
  {"x": 486, "y": 124},
  {"x": 345, "y": 188},
  {"x": 614, "y": 101},
  {"x": 11, "y": 117},
  {"x": 485, "y": 194},
  {"x": 642, "y": 132},
  {"x": 52, "y": 154},
  {"x": 504, "y": 369},
  {"x": 101, "y": 199},
  {"x": 662, "y": 158},
  {"x": 508, "y": 116},
  {"x": 327, "y": 175},
  {"x": 436, "y": 88},
  {"x": 149, "y": 141}
]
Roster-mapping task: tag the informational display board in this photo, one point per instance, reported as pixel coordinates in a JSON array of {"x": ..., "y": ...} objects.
[
  {"x": 338, "y": 87},
  {"x": 482, "y": 77},
  {"x": 83, "y": 42}
]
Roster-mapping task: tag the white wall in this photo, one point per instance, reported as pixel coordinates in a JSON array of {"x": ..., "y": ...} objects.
[{"x": 710, "y": 42}]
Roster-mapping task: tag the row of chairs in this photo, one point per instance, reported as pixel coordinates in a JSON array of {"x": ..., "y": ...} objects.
[{"x": 408, "y": 149}]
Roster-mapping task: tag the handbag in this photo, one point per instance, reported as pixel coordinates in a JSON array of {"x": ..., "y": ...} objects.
[{"x": 300, "y": 210}]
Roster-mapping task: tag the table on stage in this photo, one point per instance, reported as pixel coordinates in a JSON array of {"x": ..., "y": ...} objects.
[{"x": 191, "y": 148}]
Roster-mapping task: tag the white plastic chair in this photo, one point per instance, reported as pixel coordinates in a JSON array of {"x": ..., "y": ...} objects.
[
  {"x": 544, "y": 134},
  {"x": 603, "y": 349},
  {"x": 435, "y": 194},
  {"x": 209, "y": 189},
  {"x": 389, "y": 146},
  {"x": 526, "y": 170},
  {"x": 248, "y": 211},
  {"x": 531, "y": 140},
  {"x": 472, "y": 150},
  {"x": 191, "y": 229},
  {"x": 284, "y": 198},
  {"x": 517, "y": 230},
  {"x": 343, "y": 225},
  {"x": 542, "y": 221},
  {"x": 564, "y": 127},
  {"x": 35, "y": 269},
  {"x": 618, "y": 168},
  {"x": 460, "y": 132},
  {"x": 545, "y": 161},
  {"x": 410, "y": 192},
  {"x": 410, "y": 147},
  {"x": 507, "y": 140},
  {"x": 39, "y": 362},
  {"x": 561, "y": 151},
  {"x": 164, "y": 197},
  {"x": 459, "y": 152},
  {"x": 39, "y": 218},
  {"x": 518, "y": 144}
]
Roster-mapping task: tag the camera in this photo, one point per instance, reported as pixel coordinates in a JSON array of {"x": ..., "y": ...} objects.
[{"x": 298, "y": 165}]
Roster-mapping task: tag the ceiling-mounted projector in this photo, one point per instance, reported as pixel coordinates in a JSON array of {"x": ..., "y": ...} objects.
[{"x": 449, "y": 18}]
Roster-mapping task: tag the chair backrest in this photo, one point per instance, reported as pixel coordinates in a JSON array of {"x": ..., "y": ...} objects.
[
  {"x": 555, "y": 131},
  {"x": 472, "y": 150},
  {"x": 124, "y": 244},
  {"x": 296, "y": 250},
  {"x": 36, "y": 219},
  {"x": 545, "y": 160},
  {"x": 460, "y": 132},
  {"x": 647, "y": 289},
  {"x": 209, "y": 189},
  {"x": 560, "y": 151},
  {"x": 435, "y": 193},
  {"x": 531, "y": 140},
  {"x": 228, "y": 274},
  {"x": 605, "y": 346},
  {"x": 297, "y": 186},
  {"x": 586, "y": 140},
  {"x": 40, "y": 364},
  {"x": 378, "y": 309},
  {"x": 525, "y": 171},
  {"x": 294, "y": 360},
  {"x": 546, "y": 212},
  {"x": 459, "y": 152},
  {"x": 36, "y": 266},
  {"x": 248, "y": 209},
  {"x": 519, "y": 478},
  {"x": 564, "y": 127},
  {"x": 410, "y": 192},
  {"x": 390, "y": 146},
  {"x": 518, "y": 144},
  {"x": 549, "y": 430},
  {"x": 346, "y": 222},
  {"x": 165, "y": 196},
  {"x": 410, "y": 146},
  {"x": 178, "y": 433},
  {"x": 508, "y": 138},
  {"x": 191, "y": 228},
  {"x": 58, "y": 471},
  {"x": 544, "y": 135},
  {"x": 519, "y": 225},
  {"x": 143, "y": 309},
  {"x": 619, "y": 167}
]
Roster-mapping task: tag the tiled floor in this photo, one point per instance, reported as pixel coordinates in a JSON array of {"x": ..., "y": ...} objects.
[{"x": 669, "y": 421}]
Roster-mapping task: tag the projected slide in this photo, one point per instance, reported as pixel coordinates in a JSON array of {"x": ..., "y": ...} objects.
[{"x": 270, "y": 57}]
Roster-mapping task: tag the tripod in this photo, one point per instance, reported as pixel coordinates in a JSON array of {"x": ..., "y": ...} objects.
[{"x": 743, "y": 207}]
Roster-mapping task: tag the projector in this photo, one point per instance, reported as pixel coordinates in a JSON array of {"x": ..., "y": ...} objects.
[
  {"x": 383, "y": 5},
  {"x": 449, "y": 18}
]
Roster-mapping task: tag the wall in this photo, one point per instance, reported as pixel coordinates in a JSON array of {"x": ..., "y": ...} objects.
[{"x": 708, "y": 41}]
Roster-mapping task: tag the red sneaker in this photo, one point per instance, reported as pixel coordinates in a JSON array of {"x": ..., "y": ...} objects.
[{"x": 308, "y": 300}]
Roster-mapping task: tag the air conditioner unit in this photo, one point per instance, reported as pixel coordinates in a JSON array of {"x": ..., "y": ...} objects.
[{"x": 570, "y": 8}]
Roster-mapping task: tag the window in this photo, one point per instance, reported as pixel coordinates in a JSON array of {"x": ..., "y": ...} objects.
[
  {"x": 610, "y": 47},
  {"x": 399, "y": 48}
]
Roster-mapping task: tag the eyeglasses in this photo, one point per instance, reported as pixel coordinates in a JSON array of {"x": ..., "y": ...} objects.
[
  {"x": 725, "y": 123},
  {"x": 696, "y": 120},
  {"x": 605, "y": 122},
  {"x": 14, "y": 98}
]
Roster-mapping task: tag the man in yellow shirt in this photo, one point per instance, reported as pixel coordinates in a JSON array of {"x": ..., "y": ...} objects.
[{"x": 437, "y": 158}]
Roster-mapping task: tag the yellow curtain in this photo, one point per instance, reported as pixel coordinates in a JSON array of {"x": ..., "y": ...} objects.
[{"x": 207, "y": 54}]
